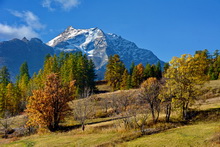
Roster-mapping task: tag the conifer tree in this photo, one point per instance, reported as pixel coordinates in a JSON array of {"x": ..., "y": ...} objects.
[
  {"x": 158, "y": 71},
  {"x": 2, "y": 98},
  {"x": 114, "y": 72},
  {"x": 69, "y": 67},
  {"x": 13, "y": 99},
  {"x": 24, "y": 71},
  {"x": 91, "y": 76},
  {"x": 166, "y": 66},
  {"x": 22, "y": 84},
  {"x": 153, "y": 71},
  {"x": 129, "y": 81},
  {"x": 147, "y": 71},
  {"x": 134, "y": 78},
  {"x": 216, "y": 54},
  {"x": 124, "y": 83},
  {"x": 4, "y": 76},
  {"x": 132, "y": 68},
  {"x": 140, "y": 73}
]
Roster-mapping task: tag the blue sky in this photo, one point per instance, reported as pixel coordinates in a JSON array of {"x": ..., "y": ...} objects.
[{"x": 166, "y": 27}]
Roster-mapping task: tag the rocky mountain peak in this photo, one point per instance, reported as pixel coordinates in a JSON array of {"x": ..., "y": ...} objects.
[
  {"x": 99, "y": 45},
  {"x": 25, "y": 40}
]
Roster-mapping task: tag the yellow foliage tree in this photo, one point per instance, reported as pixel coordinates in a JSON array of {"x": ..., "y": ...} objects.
[
  {"x": 13, "y": 98},
  {"x": 186, "y": 75}
]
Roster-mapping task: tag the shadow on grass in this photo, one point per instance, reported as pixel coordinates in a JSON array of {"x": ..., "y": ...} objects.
[
  {"x": 212, "y": 114},
  {"x": 69, "y": 128}
]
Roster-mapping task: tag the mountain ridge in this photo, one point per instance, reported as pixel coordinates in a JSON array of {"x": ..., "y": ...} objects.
[
  {"x": 14, "y": 52},
  {"x": 99, "y": 45},
  {"x": 94, "y": 42}
]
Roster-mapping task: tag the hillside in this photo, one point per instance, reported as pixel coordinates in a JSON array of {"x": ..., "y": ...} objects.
[{"x": 202, "y": 130}]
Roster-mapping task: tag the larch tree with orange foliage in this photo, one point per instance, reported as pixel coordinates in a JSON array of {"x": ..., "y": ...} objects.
[{"x": 48, "y": 106}]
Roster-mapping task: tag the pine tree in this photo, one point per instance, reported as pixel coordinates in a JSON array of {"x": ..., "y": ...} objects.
[
  {"x": 4, "y": 76},
  {"x": 129, "y": 82},
  {"x": 166, "y": 66},
  {"x": 114, "y": 72},
  {"x": 216, "y": 54},
  {"x": 140, "y": 73},
  {"x": 69, "y": 67},
  {"x": 91, "y": 76},
  {"x": 153, "y": 71},
  {"x": 124, "y": 83},
  {"x": 24, "y": 70},
  {"x": 22, "y": 84},
  {"x": 2, "y": 98},
  {"x": 134, "y": 78},
  {"x": 12, "y": 99},
  {"x": 131, "y": 68},
  {"x": 158, "y": 71},
  {"x": 147, "y": 71}
]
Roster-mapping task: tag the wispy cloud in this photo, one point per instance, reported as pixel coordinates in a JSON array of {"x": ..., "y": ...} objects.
[
  {"x": 47, "y": 4},
  {"x": 64, "y": 4},
  {"x": 28, "y": 29},
  {"x": 29, "y": 18}
]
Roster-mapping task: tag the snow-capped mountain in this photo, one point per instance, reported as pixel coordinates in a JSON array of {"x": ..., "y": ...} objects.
[{"x": 99, "y": 46}]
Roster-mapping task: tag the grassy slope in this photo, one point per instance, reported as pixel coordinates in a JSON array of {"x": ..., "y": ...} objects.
[
  {"x": 192, "y": 135},
  {"x": 64, "y": 139}
]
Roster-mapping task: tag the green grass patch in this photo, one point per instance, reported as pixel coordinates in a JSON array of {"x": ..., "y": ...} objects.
[
  {"x": 192, "y": 135},
  {"x": 64, "y": 139}
]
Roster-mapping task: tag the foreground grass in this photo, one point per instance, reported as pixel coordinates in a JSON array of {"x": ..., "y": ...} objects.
[
  {"x": 64, "y": 139},
  {"x": 192, "y": 135},
  {"x": 199, "y": 134}
]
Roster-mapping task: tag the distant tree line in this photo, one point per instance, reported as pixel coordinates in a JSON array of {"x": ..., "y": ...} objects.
[
  {"x": 118, "y": 77},
  {"x": 213, "y": 69}
]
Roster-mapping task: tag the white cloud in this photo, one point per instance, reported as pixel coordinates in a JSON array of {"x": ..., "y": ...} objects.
[
  {"x": 65, "y": 4},
  {"x": 8, "y": 32},
  {"x": 28, "y": 29}
]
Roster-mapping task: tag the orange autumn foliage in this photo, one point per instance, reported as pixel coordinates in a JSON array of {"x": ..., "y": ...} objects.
[{"x": 48, "y": 106}]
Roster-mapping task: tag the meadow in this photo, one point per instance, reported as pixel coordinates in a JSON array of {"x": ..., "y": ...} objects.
[{"x": 202, "y": 130}]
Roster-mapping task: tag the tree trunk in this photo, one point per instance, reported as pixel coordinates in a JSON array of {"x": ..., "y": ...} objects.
[
  {"x": 83, "y": 127},
  {"x": 153, "y": 115},
  {"x": 185, "y": 110},
  {"x": 158, "y": 113},
  {"x": 168, "y": 112}
]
